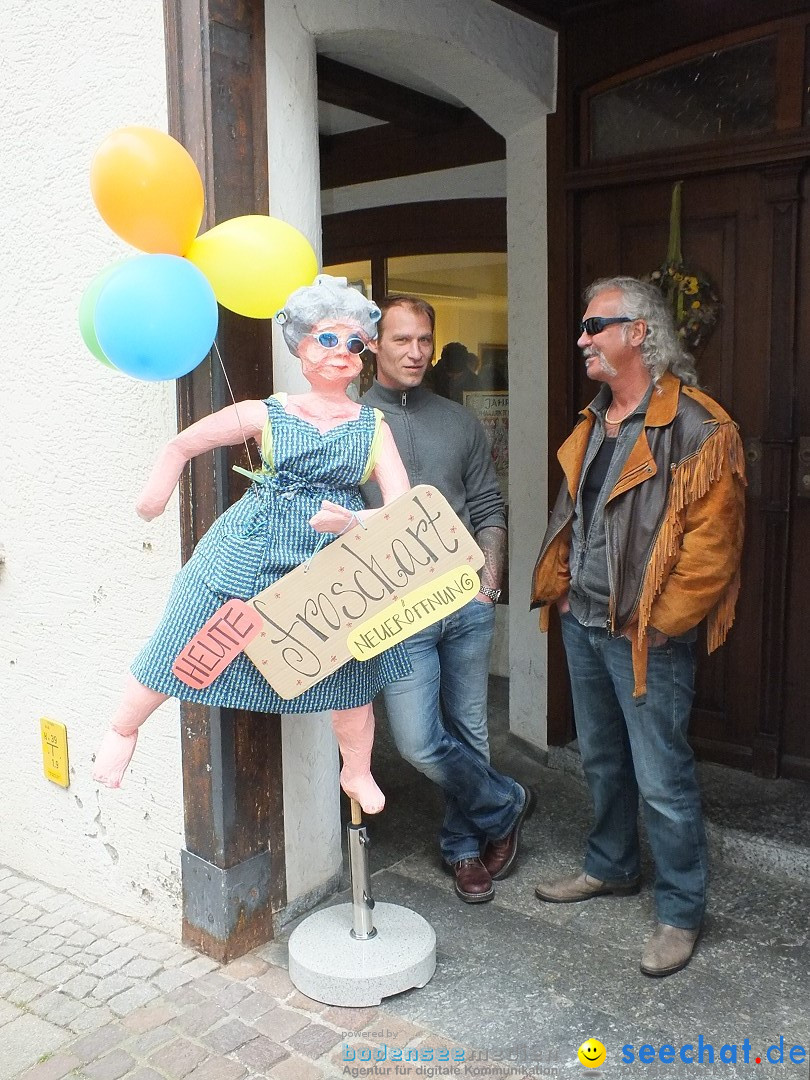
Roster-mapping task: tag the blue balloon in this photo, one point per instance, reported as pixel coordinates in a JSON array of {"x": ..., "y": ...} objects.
[{"x": 156, "y": 317}]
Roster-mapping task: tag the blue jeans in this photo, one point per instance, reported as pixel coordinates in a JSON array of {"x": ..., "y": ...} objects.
[
  {"x": 438, "y": 717},
  {"x": 631, "y": 747}
]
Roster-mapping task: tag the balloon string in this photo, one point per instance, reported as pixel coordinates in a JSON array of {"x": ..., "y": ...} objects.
[{"x": 236, "y": 410}]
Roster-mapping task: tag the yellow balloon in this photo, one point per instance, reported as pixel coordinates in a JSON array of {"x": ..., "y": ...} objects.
[{"x": 253, "y": 263}]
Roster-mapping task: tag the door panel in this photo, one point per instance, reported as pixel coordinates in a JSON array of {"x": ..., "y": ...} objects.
[
  {"x": 730, "y": 231},
  {"x": 796, "y": 730}
]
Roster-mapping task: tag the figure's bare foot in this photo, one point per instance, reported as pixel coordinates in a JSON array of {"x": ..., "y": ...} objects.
[
  {"x": 364, "y": 790},
  {"x": 113, "y": 757}
]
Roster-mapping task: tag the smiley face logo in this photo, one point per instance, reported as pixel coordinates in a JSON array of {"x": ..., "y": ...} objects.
[{"x": 592, "y": 1054}]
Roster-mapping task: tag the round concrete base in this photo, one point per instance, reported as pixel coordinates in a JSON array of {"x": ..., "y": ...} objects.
[{"x": 329, "y": 965}]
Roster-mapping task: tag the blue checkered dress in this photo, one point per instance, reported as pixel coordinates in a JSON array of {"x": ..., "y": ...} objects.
[{"x": 256, "y": 541}]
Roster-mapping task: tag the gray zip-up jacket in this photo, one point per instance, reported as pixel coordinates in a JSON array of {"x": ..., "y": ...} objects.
[{"x": 441, "y": 443}]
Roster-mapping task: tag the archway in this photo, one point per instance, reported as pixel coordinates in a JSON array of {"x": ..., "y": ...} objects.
[{"x": 502, "y": 66}]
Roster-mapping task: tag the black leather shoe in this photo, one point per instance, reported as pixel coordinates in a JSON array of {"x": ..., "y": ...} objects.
[
  {"x": 473, "y": 883},
  {"x": 499, "y": 855}
]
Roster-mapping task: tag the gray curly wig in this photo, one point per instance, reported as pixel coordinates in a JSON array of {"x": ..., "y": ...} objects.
[
  {"x": 661, "y": 349},
  {"x": 327, "y": 298}
]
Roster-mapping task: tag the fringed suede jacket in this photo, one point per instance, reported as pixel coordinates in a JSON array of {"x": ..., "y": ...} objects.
[{"x": 674, "y": 523}]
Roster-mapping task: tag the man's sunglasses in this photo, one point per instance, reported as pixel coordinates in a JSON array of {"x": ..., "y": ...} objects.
[
  {"x": 330, "y": 340},
  {"x": 596, "y": 324}
]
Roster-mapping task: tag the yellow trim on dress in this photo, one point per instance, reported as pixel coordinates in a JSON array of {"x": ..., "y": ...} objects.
[
  {"x": 376, "y": 447},
  {"x": 267, "y": 434},
  {"x": 268, "y": 468}
]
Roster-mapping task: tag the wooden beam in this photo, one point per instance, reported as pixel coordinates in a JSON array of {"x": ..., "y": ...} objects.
[
  {"x": 556, "y": 13},
  {"x": 550, "y": 13},
  {"x": 380, "y": 153},
  {"x": 233, "y": 865},
  {"x": 351, "y": 88},
  {"x": 619, "y": 36},
  {"x": 414, "y": 229}
]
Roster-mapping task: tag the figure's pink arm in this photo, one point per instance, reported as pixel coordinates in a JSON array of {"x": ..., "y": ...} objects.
[
  {"x": 224, "y": 428},
  {"x": 389, "y": 473}
]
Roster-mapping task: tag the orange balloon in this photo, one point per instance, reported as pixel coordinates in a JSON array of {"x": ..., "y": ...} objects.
[{"x": 148, "y": 190}]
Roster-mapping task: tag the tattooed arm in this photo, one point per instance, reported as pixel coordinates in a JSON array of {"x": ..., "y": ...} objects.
[
  {"x": 486, "y": 508},
  {"x": 492, "y": 541}
]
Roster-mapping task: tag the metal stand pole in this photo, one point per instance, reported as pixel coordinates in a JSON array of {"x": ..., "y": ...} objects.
[
  {"x": 337, "y": 954},
  {"x": 362, "y": 900}
]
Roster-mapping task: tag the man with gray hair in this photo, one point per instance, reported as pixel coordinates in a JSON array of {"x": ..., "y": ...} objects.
[{"x": 643, "y": 544}]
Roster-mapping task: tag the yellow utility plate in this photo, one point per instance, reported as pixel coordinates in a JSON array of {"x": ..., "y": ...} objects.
[{"x": 55, "y": 751}]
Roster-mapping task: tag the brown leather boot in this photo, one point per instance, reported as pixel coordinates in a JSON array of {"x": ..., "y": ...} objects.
[
  {"x": 668, "y": 950},
  {"x": 572, "y": 890},
  {"x": 473, "y": 883},
  {"x": 499, "y": 855}
]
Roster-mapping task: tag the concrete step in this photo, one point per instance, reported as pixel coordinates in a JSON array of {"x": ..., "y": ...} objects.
[{"x": 750, "y": 821}]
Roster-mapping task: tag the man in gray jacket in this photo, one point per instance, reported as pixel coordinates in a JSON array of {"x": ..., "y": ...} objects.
[{"x": 438, "y": 715}]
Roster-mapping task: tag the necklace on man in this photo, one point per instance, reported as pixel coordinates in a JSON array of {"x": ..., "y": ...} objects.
[{"x": 615, "y": 423}]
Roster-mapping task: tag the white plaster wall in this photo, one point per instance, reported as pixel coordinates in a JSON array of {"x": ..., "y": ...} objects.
[
  {"x": 526, "y": 223},
  {"x": 484, "y": 181},
  {"x": 484, "y": 56},
  {"x": 84, "y": 579}
]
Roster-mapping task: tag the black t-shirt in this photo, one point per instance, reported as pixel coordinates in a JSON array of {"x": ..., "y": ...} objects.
[{"x": 594, "y": 480}]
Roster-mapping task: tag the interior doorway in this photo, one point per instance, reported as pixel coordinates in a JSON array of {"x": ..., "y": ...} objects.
[
  {"x": 468, "y": 291},
  {"x": 469, "y": 294}
]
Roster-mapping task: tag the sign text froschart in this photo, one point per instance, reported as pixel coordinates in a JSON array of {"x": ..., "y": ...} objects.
[{"x": 412, "y": 564}]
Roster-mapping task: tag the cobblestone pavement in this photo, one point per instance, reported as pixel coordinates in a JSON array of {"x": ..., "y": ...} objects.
[{"x": 91, "y": 995}]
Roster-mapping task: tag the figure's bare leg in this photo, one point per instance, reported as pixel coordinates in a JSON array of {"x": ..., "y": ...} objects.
[
  {"x": 118, "y": 744},
  {"x": 354, "y": 729}
]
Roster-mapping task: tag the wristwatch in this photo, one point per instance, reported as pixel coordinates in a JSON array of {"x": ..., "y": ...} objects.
[{"x": 493, "y": 594}]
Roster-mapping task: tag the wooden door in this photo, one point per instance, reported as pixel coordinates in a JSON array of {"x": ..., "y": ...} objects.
[
  {"x": 740, "y": 229},
  {"x": 795, "y": 735}
]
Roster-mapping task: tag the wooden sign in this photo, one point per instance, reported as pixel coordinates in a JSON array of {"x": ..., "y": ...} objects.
[
  {"x": 413, "y": 563},
  {"x": 413, "y": 613},
  {"x": 213, "y": 647}
]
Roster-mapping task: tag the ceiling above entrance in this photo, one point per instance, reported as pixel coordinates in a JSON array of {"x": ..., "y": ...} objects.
[{"x": 372, "y": 128}]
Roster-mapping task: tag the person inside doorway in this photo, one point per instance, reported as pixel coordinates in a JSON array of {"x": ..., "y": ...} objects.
[{"x": 454, "y": 372}]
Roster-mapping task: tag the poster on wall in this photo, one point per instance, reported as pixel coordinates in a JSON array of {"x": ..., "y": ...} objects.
[{"x": 492, "y": 409}]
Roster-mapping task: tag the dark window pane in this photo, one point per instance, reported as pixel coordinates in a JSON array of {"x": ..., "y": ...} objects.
[{"x": 717, "y": 96}]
